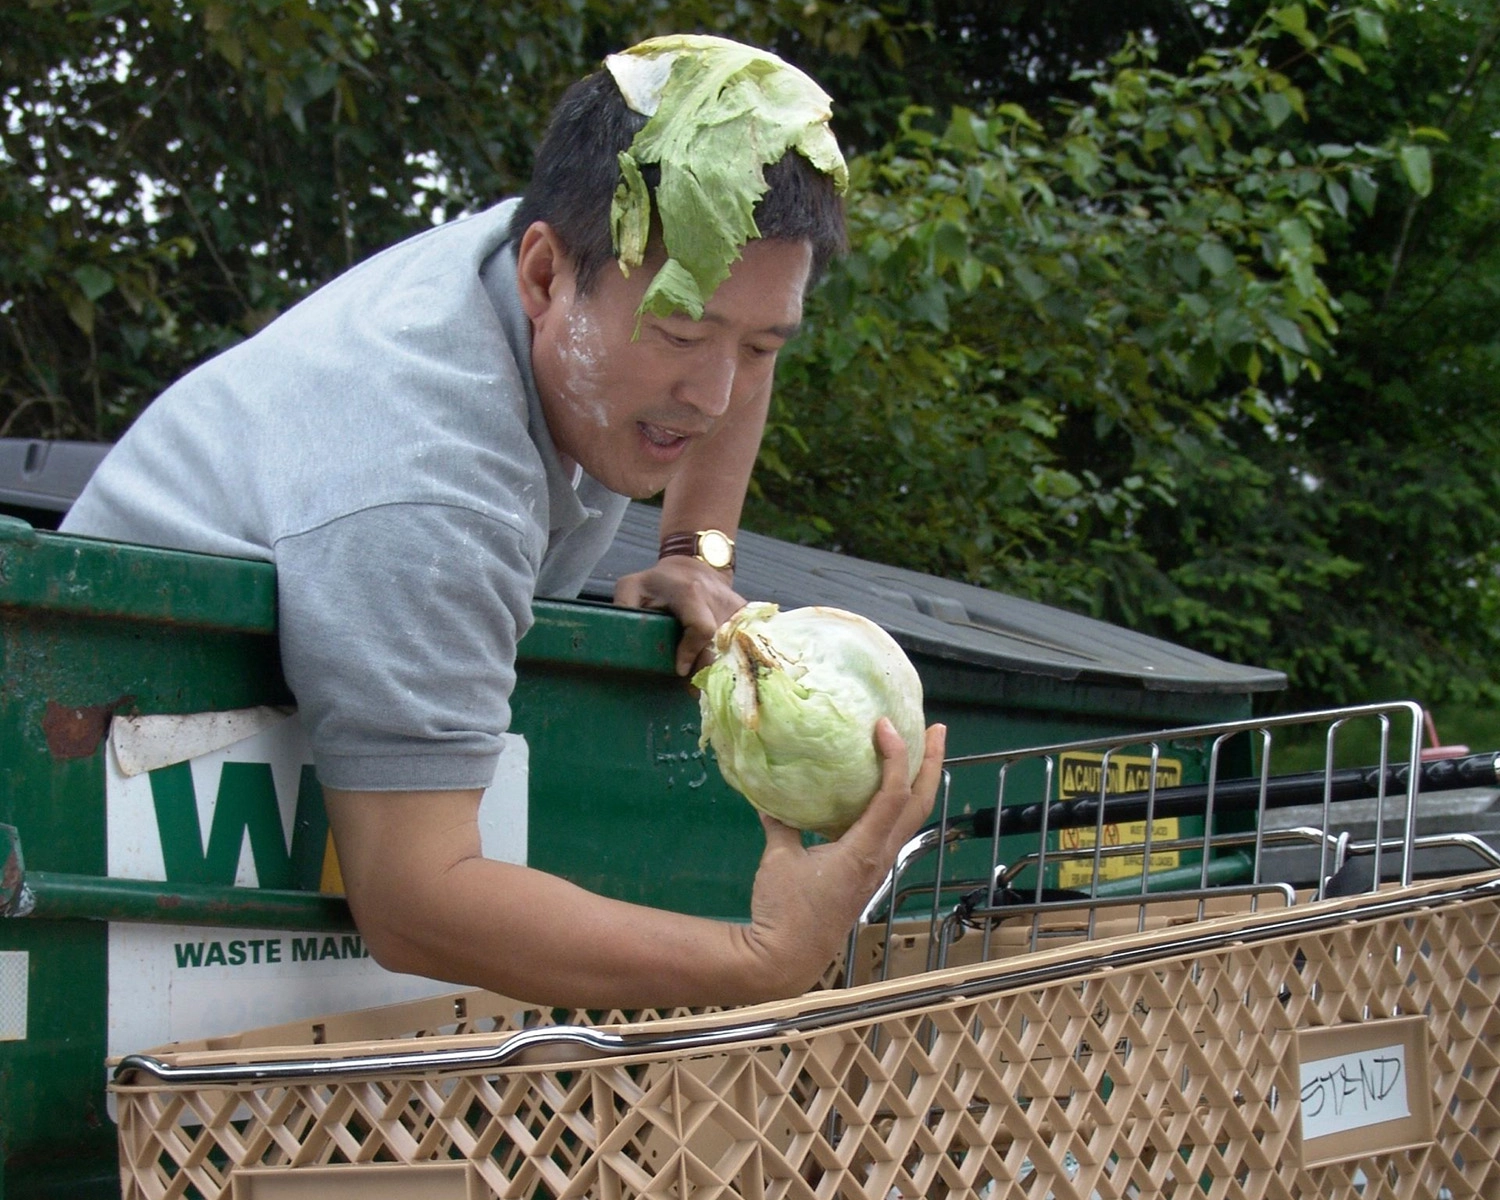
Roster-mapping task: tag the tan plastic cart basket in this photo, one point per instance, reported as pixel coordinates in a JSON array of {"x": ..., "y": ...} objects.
[{"x": 1242, "y": 1045}]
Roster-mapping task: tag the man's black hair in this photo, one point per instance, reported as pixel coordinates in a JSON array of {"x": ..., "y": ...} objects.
[{"x": 577, "y": 169}]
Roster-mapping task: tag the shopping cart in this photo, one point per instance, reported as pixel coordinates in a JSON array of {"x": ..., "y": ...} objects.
[{"x": 1198, "y": 1028}]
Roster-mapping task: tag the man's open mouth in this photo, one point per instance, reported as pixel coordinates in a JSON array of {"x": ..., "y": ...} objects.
[{"x": 659, "y": 435}]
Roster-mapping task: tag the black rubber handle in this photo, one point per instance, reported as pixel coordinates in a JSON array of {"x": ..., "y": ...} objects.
[{"x": 1241, "y": 795}]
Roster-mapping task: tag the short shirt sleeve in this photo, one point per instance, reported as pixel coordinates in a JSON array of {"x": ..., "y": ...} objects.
[{"x": 398, "y": 630}]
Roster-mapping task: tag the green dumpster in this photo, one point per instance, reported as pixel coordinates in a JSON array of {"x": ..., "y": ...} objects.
[{"x": 167, "y": 865}]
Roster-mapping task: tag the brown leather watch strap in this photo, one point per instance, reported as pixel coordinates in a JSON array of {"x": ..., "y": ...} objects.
[{"x": 711, "y": 546}]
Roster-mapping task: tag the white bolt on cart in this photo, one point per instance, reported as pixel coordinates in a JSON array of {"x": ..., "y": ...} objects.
[{"x": 1243, "y": 1037}]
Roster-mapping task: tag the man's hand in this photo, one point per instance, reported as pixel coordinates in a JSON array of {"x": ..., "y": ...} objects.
[
  {"x": 806, "y": 899},
  {"x": 696, "y": 594}
]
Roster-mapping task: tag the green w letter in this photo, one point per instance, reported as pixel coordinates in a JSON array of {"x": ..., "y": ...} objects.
[{"x": 246, "y": 807}]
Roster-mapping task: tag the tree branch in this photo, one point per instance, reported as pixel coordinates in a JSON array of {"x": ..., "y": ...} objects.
[
  {"x": 1479, "y": 59},
  {"x": 1466, "y": 259},
  {"x": 206, "y": 235}
]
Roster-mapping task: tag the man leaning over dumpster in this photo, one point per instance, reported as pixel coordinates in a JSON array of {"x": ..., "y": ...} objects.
[{"x": 454, "y": 427}]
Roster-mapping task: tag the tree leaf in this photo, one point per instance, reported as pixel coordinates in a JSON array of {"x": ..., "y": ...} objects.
[
  {"x": 80, "y": 310},
  {"x": 1293, "y": 19},
  {"x": 1295, "y": 233},
  {"x": 1416, "y": 165},
  {"x": 1032, "y": 285},
  {"x": 1364, "y": 188},
  {"x": 1217, "y": 257},
  {"x": 1349, "y": 58},
  {"x": 970, "y": 274},
  {"x": 1338, "y": 196},
  {"x": 1287, "y": 332},
  {"x": 1277, "y": 108},
  {"x": 93, "y": 281},
  {"x": 1371, "y": 25}
]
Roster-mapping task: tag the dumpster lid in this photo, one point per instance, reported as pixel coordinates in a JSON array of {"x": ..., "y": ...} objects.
[
  {"x": 946, "y": 620},
  {"x": 925, "y": 614},
  {"x": 46, "y": 476}
]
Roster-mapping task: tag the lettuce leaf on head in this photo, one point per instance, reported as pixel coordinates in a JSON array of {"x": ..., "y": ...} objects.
[{"x": 720, "y": 113}]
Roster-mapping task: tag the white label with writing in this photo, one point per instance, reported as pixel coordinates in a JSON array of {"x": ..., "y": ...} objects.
[
  {"x": 249, "y": 814},
  {"x": 15, "y": 988},
  {"x": 1354, "y": 1090}
]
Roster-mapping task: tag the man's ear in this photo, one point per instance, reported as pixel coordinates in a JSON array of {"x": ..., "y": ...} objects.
[{"x": 542, "y": 267}]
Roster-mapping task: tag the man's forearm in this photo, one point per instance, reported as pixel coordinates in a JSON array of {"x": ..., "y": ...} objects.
[
  {"x": 709, "y": 490},
  {"x": 534, "y": 936},
  {"x": 708, "y": 493},
  {"x": 428, "y": 903}
]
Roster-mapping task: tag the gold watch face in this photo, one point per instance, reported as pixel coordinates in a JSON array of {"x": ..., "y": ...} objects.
[{"x": 715, "y": 548}]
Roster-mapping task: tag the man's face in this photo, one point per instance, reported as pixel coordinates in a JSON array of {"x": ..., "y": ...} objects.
[{"x": 631, "y": 410}]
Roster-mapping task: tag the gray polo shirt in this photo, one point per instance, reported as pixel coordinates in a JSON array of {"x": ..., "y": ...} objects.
[{"x": 383, "y": 444}]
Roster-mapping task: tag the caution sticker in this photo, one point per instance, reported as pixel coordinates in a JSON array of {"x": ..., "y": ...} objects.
[{"x": 1083, "y": 775}]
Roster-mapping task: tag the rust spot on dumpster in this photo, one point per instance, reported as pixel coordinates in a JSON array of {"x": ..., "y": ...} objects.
[
  {"x": 12, "y": 874},
  {"x": 75, "y": 732}
]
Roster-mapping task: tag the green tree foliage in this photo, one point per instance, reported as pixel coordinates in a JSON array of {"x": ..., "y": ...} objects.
[
  {"x": 1401, "y": 435},
  {"x": 1124, "y": 353},
  {"x": 1050, "y": 318},
  {"x": 174, "y": 173},
  {"x": 1382, "y": 468}
]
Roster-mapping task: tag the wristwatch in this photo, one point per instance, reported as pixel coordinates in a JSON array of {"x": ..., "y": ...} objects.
[{"x": 712, "y": 546}]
